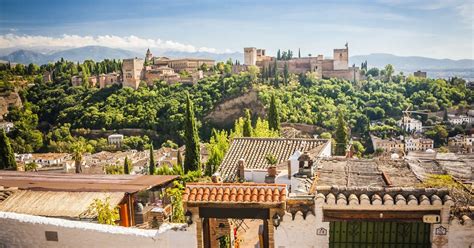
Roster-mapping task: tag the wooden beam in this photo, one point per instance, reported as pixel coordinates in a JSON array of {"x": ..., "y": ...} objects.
[
  {"x": 377, "y": 215},
  {"x": 236, "y": 213}
]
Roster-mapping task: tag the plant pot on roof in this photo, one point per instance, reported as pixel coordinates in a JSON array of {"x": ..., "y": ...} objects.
[{"x": 272, "y": 161}]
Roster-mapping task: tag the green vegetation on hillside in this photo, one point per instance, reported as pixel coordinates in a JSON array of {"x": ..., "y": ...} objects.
[{"x": 55, "y": 113}]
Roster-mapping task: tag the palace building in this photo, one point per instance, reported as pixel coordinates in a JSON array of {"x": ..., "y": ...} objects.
[{"x": 337, "y": 67}]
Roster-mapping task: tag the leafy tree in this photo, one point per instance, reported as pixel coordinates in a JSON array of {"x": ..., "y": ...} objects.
[
  {"x": 325, "y": 135},
  {"x": 152, "y": 165},
  {"x": 374, "y": 72},
  {"x": 439, "y": 134},
  {"x": 217, "y": 147},
  {"x": 176, "y": 194},
  {"x": 169, "y": 144},
  {"x": 106, "y": 214},
  {"x": 247, "y": 128},
  {"x": 192, "y": 155},
  {"x": 114, "y": 169},
  {"x": 358, "y": 148},
  {"x": 341, "y": 136},
  {"x": 32, "y": 166},
  {"x": 389, "y": 70},
  {"x": 273, "y": 115},
  {"x": 7, "y": 157}
]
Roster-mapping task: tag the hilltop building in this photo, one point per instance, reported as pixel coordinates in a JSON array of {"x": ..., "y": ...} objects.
[
  {"x": 420, "y": 74},
  {"x": 410, "y": 125},
  {"x": 133, "y": 72},
  {"x": 337, "y": 67},
  {"x": 148, "y": 70}
]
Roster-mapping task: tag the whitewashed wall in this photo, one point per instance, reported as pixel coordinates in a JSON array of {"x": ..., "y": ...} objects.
[
  {"x": 460, "y": 235},
  {"x": 19, "y": 230},
  {"x": 302, "y": 233}
]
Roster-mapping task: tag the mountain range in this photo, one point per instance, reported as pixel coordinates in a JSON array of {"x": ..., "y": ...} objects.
[{"x": 406, "y": 64}]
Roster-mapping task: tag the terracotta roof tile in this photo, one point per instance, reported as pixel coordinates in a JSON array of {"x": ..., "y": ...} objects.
[{"x": 235, "y": 192}]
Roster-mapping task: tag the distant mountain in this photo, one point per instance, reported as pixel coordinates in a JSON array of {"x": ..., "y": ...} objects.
[
  {"x": 96, "y": 53},
  {"x": 25, "y": 57},
  {"x": 442, "y": 68},
  {"x": 216, "y": 56},
  {"x": 411, "y": 62},
  {"x": 99, "y": 53}
]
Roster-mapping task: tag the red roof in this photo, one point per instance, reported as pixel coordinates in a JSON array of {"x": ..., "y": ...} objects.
[{"x": 235, "y": 193}]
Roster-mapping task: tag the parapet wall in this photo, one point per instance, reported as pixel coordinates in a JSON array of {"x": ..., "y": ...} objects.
[{"x": 20, "y": 230}]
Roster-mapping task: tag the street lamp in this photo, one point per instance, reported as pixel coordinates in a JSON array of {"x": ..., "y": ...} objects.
[
  {"x": 276, "y": 220},
  {"x": 188, "y": 217}
]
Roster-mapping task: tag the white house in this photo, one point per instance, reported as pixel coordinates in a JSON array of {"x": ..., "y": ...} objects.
[
  {"x": 410, "y": 125},
  {"x": 115, "y": 139},
  {"x": 460, "y": 119}
]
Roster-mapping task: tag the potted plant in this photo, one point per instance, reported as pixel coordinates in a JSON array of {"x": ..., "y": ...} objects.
[{"x": 272, "y": 161}]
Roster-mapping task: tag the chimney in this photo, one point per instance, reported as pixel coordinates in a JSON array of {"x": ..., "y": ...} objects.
[
  {"x": 241, "y": 164},
  {"x": 216, "y": 178}
]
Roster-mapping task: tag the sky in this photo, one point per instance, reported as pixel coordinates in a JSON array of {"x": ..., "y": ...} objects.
[{"x": 430, "y": 28}]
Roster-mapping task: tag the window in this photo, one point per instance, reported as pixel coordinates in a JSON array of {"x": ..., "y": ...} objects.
[{"x": 51, "y": 236}]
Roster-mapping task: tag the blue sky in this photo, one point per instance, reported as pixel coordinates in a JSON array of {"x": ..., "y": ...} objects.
[{"x": 432, "y": 28}]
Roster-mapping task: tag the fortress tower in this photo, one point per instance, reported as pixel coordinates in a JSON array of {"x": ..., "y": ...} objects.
[
  {"x": 148, "y": 56},
  {"x": 132, "y": 72},
  {"x": 250, "y": 56},
  {"x": 341, "y": 58}
]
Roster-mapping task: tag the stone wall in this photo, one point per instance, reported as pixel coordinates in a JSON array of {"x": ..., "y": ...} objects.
[
  {"x": 19, "y": 230},
  {"x": 225, "y": 113},
  {"x": 9, "y": 100}
]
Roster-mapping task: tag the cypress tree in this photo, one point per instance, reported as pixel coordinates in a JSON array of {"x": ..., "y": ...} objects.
[
  {"x": 151, "y": 168},
  {"x": 341, "y": 136},
  {"x": 286, "y": 73},
  {"x": 445, "y": 115},
  {"x": 7, "y": 157},
  {"x": 179, "y": 159},
  {"x": 278, "y": 55},
  {"x": 247, "y": 129},
  {"x": 273, "y": 115},
  {"x": 126, "y": 166},
  {"x": 192, "y": 156},
  {"x": 299, "y": 53}
]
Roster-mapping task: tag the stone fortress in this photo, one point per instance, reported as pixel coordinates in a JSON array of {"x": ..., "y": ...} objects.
[
  {"x": 162, "y": 68},
  {"x": 150, "y": 69},
  {"x": 188, "y": 70},
  {"x": 337, "y": 67}
]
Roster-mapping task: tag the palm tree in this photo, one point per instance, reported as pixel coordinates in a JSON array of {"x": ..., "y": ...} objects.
[{"x": 78, "y": 148}]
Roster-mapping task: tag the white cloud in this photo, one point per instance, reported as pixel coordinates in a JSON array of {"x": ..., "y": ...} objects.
[{"x": 127, "y": 42}]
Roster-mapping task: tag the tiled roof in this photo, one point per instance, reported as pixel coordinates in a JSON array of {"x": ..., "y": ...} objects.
[
  {"x": 254, "y": 150},
  {"x": 459, "y": 168},
  {"x": 398, "y": 196},
  {"x": 235, "y": 193},
  {"x": 364, "y": 172}
]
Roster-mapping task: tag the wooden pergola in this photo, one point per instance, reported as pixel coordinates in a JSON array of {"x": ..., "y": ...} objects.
[{"x": 205, "y": 201}]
